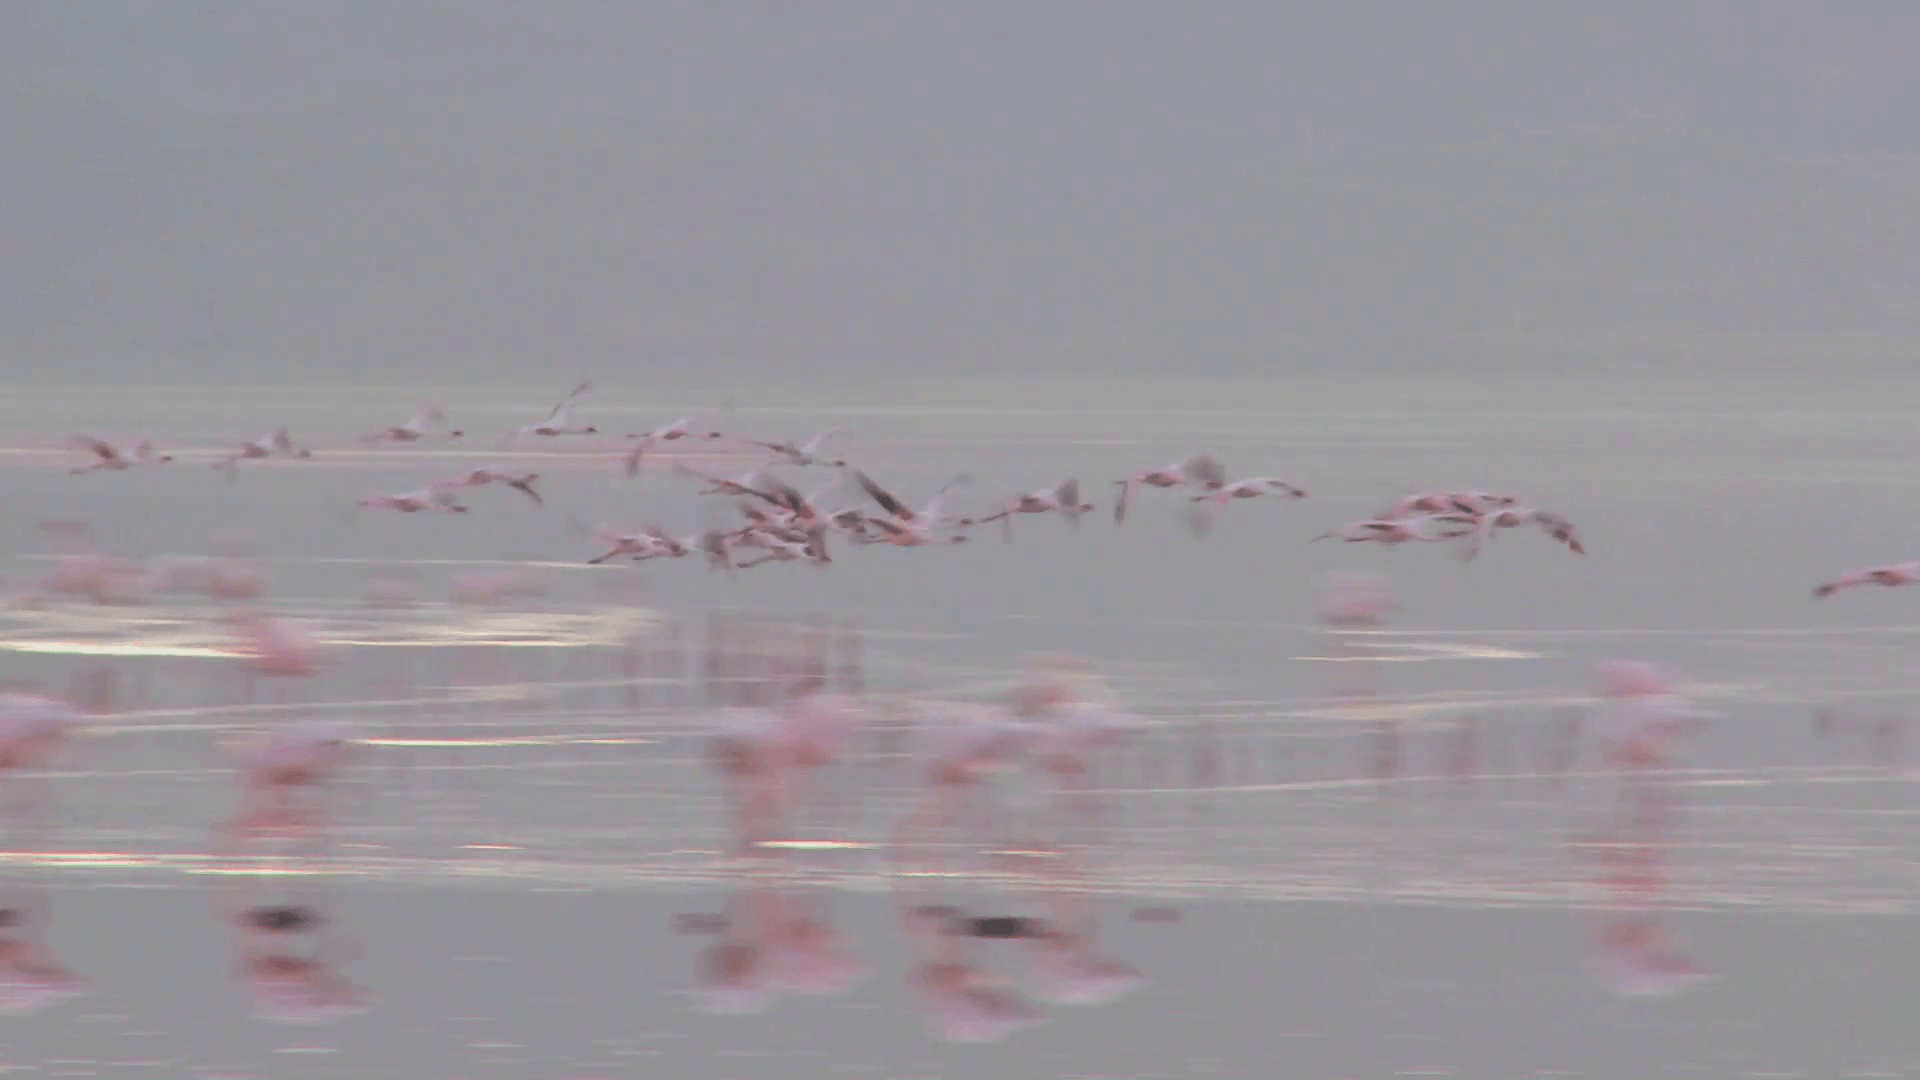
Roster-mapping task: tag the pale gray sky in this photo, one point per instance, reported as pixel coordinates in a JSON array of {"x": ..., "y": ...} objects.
[{"x": 673, "y": 192}]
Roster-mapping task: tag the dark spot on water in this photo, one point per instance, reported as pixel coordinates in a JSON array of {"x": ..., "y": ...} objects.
[
  {"x": 283, "y": 920},
  {"x": 699, "y": 922},
  {"x": 1004, "y": 926}
]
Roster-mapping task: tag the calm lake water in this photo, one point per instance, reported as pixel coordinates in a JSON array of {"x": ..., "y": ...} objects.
[{"x": 510, "y": 903}]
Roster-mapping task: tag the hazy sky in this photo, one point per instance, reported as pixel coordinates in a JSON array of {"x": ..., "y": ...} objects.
[{"x": 670, "y": 193}]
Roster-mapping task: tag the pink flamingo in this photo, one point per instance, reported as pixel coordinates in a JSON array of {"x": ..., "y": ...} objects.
[
  {"x": 808, "y": 452},
  {"x": 1063, "y": 500},
  {"x": 429, "y": 420},
  {"x": 110, "y": 457},
  {"x": 1389, "y": 533},
  {"x": 1202, "y": 471},
  {"x": 641, "y": 543},
  {"x": 1252, "y": 487},
  {"x": 1201, "y": 520},
  {"x": 1513, "y": 517},
  {"x": 276, "y": 443},
  {"x": 908, "y": 527},
  {"x": 432, "y": 498},
  {"x": 520, "y": 482},
  {"x": 673, "y": 431},
  {"x": 1424, "y": 503},
  {"x": 560, "y": 420},
  {"x": 1891, "y": 575}
]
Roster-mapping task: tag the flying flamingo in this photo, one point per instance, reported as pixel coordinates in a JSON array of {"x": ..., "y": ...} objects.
[
  {"x": 430, "y": 418},
  {"x": 1202, "y": 471},
  {"x": 520, "y": 482},
  {"x": 667, "y": 547},
  {"x": 276, "y": 443},
  {"x": 808, "y": 452},
  {"x": 686, "y": 427},
  {"x": 1252, "y": 487},
  {"x": 1390, "y": 533},
  {"x": 560, "y": 420},
  {"x": 641, "y": 544},
  {"x": 109, "y": 456},
  {"x": 908, "y": 527},
  {"x": 779, "y": 549},
  {"x": 1891, "y": 575},
  {"x": 1064, "y": 500},
  {"x": 1447, "y": 502},
  {"x": 754, "y": 482},
  {"x": 433, "y": 498},
  {"x": 1513, "y": 517}
]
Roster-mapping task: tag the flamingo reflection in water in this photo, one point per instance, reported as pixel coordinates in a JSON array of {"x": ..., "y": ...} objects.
[
  {"x": 1072, "y": 716},
  {"x": 959, "y": 1000},
  {"x": 773, "y": 739},
  {"x": 34, "y": 729},
  {"x": 1633, "y": 949},
  {"x": 772, "y": 942},
  {"x": 958, "y": 746},
  {"x": 1063, "y": 966},
  {"x": 267, "y": 645},
  {"x": 1352, "y": 604},
  {"x": 1639, "y": 725},
  {"x": 291, "y": 953},
  {"x": 31, "y": 979},
  {"x": 287, "y": 771}
]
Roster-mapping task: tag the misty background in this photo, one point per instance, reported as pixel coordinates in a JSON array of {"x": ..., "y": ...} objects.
[{"x": 673, "y": 193}]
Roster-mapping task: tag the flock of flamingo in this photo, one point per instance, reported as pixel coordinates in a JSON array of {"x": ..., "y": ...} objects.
[
  {"x": 781, "y": 524},
  {"x": 770, "y": 744}
]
